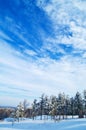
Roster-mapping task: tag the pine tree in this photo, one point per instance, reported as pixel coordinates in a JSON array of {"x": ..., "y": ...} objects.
[
  {"x": 84, "y": 102},
  {"x": 46, "y": 106},
  {"x": 61, "y": 98},
  {"x": 78, "y": 104},
  {"x": 72, "y": 112},
  {"x": 67, "y": 106},
  {"x": 54, "y": 107},
  {"x": 34, "y": 109},
  {"x": 42, "y": 105}
]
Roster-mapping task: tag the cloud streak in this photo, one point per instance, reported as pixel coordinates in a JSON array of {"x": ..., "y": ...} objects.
[{"x": 44, "y": 52}]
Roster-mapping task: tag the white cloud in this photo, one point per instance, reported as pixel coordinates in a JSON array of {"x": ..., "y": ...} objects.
[
  {"x": 46, "y": 75},
  {"x": 80, "y": 4},
  {"x": 30, "y": 52},
  {"x": 67, "y": 13}
]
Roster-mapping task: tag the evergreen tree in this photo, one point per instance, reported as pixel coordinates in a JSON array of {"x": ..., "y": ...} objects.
[
  {"x": 42, "y": 105},
  {"x": 54, "y": 107},
  {"x": 34, "y": 109},
  {"x": 78, "y": 104},
  {"x": 61, "y": 98},
  {"x": 67, "y": 106},
  {"x": 84, "y": 102},
  {"x": 72, "y": 112},
  {"x": 46, "y": 106}
]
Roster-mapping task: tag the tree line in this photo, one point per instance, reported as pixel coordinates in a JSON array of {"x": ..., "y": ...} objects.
[
  {"x": 54, "y": 107},
  {"x": 60, "y": 106}
]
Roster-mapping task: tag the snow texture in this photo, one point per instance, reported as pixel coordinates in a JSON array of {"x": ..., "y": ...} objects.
[{"x": 72, "y": 124}]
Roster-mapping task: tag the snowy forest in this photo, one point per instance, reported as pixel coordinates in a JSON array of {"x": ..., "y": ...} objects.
[
  {"x": 60, "y": 106},
  {"x": 52, "y": 107}
]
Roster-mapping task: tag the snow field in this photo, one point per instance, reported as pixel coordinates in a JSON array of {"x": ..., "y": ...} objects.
[{"x": 73, "y": 124}]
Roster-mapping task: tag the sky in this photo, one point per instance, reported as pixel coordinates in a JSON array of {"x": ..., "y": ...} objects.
[{"x": 42, "y": 48}]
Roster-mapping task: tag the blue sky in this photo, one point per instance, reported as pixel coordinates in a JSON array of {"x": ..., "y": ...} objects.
[{"x": 42, "y": 48}]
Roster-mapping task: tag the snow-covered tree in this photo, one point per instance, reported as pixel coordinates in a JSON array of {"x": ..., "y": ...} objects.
[
  {"x": 54, "y": 106},
  {"x": 72, "y": 110},
  {"x": 34, "y": 109},
  {"x": 84, "y": 102},
  {"x": 20, "y": 111},
  {"x": 78, "y": 105}
]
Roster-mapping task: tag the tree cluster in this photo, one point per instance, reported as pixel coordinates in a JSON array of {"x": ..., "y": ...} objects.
[
  {"x": 54, "y": 107},
  {"x": 59, "y": 106}
]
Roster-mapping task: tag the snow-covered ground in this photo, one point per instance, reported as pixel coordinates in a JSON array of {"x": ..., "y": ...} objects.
[{"x": 72, "y": 124}]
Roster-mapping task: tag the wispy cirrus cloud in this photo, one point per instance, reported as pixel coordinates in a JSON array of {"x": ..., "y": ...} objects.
[
  {"x": 68, "y": 21},
  {"x": 42, "y": 49},
  {"x": 43, "y": 76}
]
